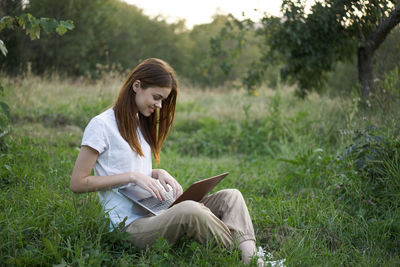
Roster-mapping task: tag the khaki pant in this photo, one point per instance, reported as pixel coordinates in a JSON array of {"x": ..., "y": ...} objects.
[{"x": 222, "y": 216}]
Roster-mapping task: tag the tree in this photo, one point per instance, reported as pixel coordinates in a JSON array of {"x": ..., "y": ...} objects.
[
  {"x": 311, "y": 42},
  {"x": 222, "y": 50},
  {"x": 110, "y": 35}
]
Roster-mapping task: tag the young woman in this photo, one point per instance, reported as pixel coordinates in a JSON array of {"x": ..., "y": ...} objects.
[{"x": 118, "y": 144}]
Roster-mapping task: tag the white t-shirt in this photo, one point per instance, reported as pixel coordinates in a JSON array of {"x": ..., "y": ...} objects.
[{"x": 115, "y": 157}]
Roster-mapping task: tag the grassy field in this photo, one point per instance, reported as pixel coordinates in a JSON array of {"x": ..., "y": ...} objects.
[{"x": 321, "y": 176}]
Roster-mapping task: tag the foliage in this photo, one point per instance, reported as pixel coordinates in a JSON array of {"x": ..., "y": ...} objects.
[
  {"x": 342, "y": 81},
  {"x": 254, "y": 75},
  {"x": 110, "y": 35},
  {"x": 235, "y": 52},
  {"x": 113, "y": 36},
  {"x": 227, "y": 45},
  {"x": 33, "y": 26},
  {"x": 309, "y": 43},
  {"x": 370, "y": 151},
  {"x": 221, "y": 50}
]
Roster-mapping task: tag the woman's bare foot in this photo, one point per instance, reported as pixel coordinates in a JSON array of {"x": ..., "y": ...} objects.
[{"x": 248, "y": 250}]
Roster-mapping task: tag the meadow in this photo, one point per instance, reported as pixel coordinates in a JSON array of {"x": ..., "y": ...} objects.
[{"x": 321, "y": 176}]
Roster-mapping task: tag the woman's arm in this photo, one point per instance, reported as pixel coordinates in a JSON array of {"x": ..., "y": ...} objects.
[{"x": 82, "y": 181}]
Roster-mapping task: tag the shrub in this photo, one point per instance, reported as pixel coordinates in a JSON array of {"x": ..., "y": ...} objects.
[{"x": 372, "y": 151}]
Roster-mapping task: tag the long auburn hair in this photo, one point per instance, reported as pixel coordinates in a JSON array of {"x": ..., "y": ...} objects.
[{"x": 151, "y": 72}]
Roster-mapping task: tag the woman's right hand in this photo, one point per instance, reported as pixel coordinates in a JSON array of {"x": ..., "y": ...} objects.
[{"x": 150, "y": 184}]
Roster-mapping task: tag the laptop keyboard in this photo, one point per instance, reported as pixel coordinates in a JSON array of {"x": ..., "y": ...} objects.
[{"x": 156, "y": 205}]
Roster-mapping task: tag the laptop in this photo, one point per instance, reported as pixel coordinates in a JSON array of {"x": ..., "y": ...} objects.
[{"x": 144, "y": 199}]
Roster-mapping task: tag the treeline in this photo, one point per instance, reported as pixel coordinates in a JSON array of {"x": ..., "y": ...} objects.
[{"x": 111, "y": 35}]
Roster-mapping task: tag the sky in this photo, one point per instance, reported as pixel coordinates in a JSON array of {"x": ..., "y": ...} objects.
[{"x": 202, "y": 11}]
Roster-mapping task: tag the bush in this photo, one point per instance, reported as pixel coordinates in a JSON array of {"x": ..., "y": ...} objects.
[{"x": 372, "y": 152}]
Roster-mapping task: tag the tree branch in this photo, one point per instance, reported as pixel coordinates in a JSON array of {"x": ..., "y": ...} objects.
[{"x": 376, "y": 38}]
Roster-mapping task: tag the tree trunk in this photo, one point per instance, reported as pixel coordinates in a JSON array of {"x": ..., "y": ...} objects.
[
  {"x": 365, "y": 70},
  {"x": 366, "y": 52}
]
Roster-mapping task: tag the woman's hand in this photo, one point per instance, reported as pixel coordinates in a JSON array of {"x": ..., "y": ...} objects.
[
  {"x": 166, "y": 179},
  {"x": 150, "y": 184}
]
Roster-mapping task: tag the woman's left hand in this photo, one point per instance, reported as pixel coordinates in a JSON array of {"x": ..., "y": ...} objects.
[{"x": 166, "y": 179}]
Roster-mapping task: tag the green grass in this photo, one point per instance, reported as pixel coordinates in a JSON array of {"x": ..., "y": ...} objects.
[{"x": 308, "y": 205}]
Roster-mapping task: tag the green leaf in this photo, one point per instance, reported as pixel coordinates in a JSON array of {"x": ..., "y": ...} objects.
[
  {"x": 61, "y": 30},
  {"x": 69, "y": 24},
  {"x": 48, "y": 25},
  {"x": 33, "y": 31},
  {"x": 3, "y": 48},
  {"x": 6, "y": 21},
  {"x": 5, "y": 109},
  {"x": 21, "y": 20},
  {"x": 32, "y": 27}
]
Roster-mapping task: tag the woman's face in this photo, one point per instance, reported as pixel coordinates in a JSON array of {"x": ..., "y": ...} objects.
[{"x": 149, "y": 99}]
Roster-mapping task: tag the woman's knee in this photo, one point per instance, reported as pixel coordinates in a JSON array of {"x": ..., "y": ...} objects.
[
  {"x": 231, "y": 193},
  {"x": 193, "y": 214},
  {"x": 191, "y": 208}
]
